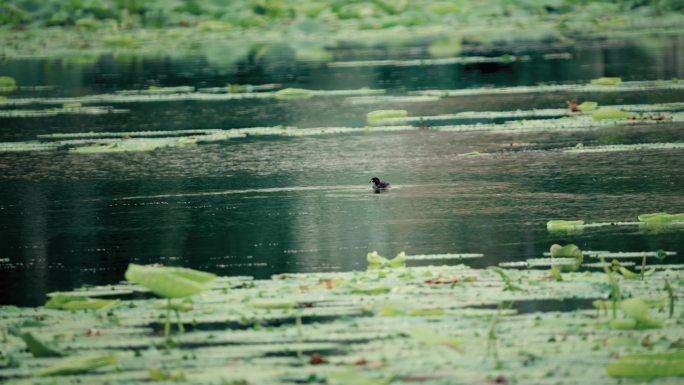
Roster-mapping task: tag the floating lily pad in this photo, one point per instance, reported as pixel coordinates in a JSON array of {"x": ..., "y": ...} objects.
[
  {"x": 607, "y": 81},
  {"x": 611, "y": 113},
  {"x": 375, "y": 117},
  {"x": 293, "y": 93},
  {"x": 564, "y": 225}
]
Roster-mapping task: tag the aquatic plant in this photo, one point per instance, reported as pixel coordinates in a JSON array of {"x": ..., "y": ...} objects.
[
  {"x": 568, "y": 251},
  {"x": 670, "y": 297},
  {"x": 662, "y": 219},
  {"x": 78, "y": 364},
  {"x": 587, "y": 106},
  {"x": 7, "y": 84},
  {"x": 376, "y": 261},
  {"x": 75, "y": 302},
  {"x": 445, "y": 48},
  {"x": 615, "y": 294},
  {"x": 611, "y": 113},
  {"x": 270, "y": 330},
  {"x": 170, "y": 282},
  {"x": 120, "y": 41},
  {"x": 292, "y": 94},
  {"x": 375, "y": 117},
  {"x": 36, "y": 346},
  {"x": 606, "y": 81},
  {"x": 508, "y": 281},
  {"x": 564, "y": 225},
  {"x": 648, "y": 365},
  {"x": 637, "y": 310}
]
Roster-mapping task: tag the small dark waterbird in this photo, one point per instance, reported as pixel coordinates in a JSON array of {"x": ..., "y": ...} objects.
[{"x": 378, "y": 185}]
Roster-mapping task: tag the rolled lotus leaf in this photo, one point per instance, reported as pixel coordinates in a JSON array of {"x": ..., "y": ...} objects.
[
  {"x": 562, "y": 225},
  {"x": 170, "y": 282},
  {"x": 568, "y": 251}
]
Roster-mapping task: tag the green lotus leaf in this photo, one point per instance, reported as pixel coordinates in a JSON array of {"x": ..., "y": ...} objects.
[
  {"x": 378, "y": 115},
  {"x": 567, "y": 251},
  {"x": 398, "y": 261},
  {"x": 635, "y": 308},
  {"x": 375, "y": 261},
  {"x": 78, "y": 365},
  {"x": 647, "y": 366},
  {"x": 73, "y": 302},
  {"x": 606, "y": 81},
  {"x": 587, "y": 106},
  {"x": 661, "y": 218},
  {"x": 293, "y": 93},
  {"x": 611, "y": 113},
  {"x": 563, "y": 225},
  {"x": 7, "y": 84},
  {"x": 170, "y": 282},
  {"x": 39, "y": 348}
]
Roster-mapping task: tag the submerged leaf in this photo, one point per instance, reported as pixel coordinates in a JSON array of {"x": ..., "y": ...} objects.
[{"x": 170, "y": 282}]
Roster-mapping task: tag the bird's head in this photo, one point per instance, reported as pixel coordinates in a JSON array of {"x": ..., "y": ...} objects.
[{"x": 375, "y": 180}]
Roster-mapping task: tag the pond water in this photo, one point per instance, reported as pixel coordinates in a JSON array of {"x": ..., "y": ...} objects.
[{"x": 265, "y": 205}]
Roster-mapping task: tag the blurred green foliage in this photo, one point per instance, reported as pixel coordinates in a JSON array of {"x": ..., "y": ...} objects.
[{"x": 263, "y": 13}]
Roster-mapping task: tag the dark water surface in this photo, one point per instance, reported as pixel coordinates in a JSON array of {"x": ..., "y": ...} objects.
[{"x": 260, "y": 206}]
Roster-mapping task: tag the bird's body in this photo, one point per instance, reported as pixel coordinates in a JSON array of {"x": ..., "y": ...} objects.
[{"x": 378, "y": 185}]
